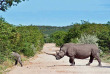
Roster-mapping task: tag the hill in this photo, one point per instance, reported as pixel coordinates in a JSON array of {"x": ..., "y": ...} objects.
[{"x": 50, "y": 29}]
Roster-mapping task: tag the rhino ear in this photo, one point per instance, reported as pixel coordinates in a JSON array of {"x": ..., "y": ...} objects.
[{"x": 61, "y": 53}]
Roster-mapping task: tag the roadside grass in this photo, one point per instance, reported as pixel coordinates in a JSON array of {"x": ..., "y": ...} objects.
[
  {"x": 4, "y": 67},
  {"x": 106, "y": 58},
  {"x": 8, "y": 64}
]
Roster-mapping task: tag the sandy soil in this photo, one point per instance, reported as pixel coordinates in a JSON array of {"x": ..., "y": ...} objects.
[{"x": 47, "y": 64}]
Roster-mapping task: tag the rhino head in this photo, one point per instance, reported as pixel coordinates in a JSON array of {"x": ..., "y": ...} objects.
[{"x": 59, "y": 55}]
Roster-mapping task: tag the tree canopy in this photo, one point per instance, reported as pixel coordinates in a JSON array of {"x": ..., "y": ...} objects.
[{"x": 5, "y": 4}]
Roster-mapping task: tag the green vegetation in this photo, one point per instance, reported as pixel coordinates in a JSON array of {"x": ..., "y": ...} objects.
[
  {"x": 105, "y": 57},
  {"x": 58, "y": 37},
  {"x": 87, "y": 32},
  {"x": 5, "y": 4},
  {"x": 31, "y": 40},
  {"x": 26, "y": 40},
  {"x": 88, "y": 39},
  {"x": 48, "y": 30}
]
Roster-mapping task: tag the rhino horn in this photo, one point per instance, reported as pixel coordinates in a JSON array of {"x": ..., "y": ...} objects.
[{"x": 49, "y": 53}]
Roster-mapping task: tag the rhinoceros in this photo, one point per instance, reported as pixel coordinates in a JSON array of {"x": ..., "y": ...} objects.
[
  {"x": 79, "y": 51},
  {"x": 17, "y": 58}
]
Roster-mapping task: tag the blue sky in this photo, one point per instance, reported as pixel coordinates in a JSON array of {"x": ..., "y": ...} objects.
[{"x": 58, "y": 12}]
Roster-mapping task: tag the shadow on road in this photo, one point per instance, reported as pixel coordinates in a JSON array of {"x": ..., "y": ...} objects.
[
  {"x": 105, "y": 66},
  {"x": 65, "y": 66},
  {"x": 58, "y": 65},
  {"x": 78, "y": 65}
]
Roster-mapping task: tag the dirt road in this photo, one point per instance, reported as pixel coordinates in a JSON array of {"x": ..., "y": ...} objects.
[{"x": 47, "y": 64}]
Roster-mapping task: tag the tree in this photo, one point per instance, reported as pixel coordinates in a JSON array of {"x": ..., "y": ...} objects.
[
  {"x": 58, "y": 37},
  {"x": 73, "y": 34},
  {"x": 5, "y": 4},
  {"x": 108, "y": 22},
  {"x": 8, "y": 38},
  {"x": 104, "y": 41}
]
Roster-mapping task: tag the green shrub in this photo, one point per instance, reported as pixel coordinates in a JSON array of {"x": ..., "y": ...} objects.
[
  {"x": 7, "y": 39},
  {"x": 88, "y": 39},
  {"x": 58, "y": 37},
  {"x": 104, "y": 41},
  {"x": 73, "y": 34},
  {"x": 31, "y": 40},
  {"x": 74, "y": 40}
]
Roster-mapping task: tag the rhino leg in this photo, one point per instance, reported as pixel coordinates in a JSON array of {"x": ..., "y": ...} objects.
[
  {"x": 16, "y": 62},
  {"x": 19, "y": 60},
  {"x": 90, "y": 61},
  {"x": 98, "y": 59},
  {"x": 71, "y": 60}
]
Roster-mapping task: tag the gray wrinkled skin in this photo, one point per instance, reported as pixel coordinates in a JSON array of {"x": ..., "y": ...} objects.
[
  {"x": 79, "y": 51},
  {"x": 17, "y": 58}
]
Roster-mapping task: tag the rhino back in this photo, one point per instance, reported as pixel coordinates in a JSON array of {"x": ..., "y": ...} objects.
[
  {"x": 65, "y": 46},
  {"x": 16, "y": 55}
]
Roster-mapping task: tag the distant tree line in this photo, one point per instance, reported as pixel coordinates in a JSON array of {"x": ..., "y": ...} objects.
[{"x": 48, "y": 30}]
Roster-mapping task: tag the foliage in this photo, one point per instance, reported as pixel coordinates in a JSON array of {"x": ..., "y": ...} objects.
[
  {"x": 23, "y": 39},
  {"x": 31, "y": 40},
  {"x": 85, "y": 27},
  {"x": 73, "y": 33},
  {"x": 104, "y": 41},
  {"x": 105, "y": 57},
  {"x": 74, "y": 40},
  {"x": 5, "y": 4},
  {"x": 47, "y": 39},
  {"x": 7, "y": 39},
  {"x": 108, "y": 23},
  {"x": 58, "y": 37},
  {"x": 48, "y": 30},
  {"x": 87, "y": 32},
  {"x": 88, "y": 39}
]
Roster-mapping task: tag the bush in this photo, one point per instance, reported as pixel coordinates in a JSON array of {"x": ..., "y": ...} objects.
[
  {"x": 104, "y": 41},
  {"x": 73, "y": 34},
  {"x": 58, "y": 37},
  {"x": 7, "y": 39},
  {"x": 31, "y": 40},
  {"x": 74, "y": 40},
  {"x": 23, "y": 39},
  {"x": 88, "y": 39}
]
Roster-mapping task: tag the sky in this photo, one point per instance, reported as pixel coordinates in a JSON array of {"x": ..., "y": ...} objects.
[{"x": 58, "y": 12}]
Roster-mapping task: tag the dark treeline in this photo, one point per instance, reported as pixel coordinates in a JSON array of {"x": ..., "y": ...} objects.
[{"x": 50, "y": 29}]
